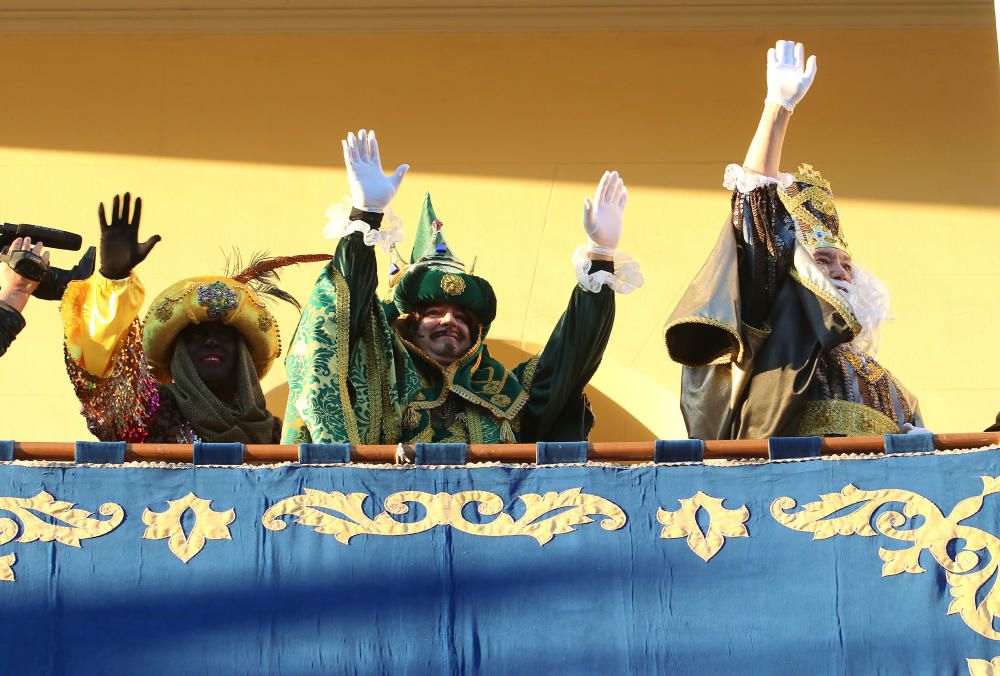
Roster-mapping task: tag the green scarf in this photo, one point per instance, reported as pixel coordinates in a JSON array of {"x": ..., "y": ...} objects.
[{"x": 247, "y": 420}]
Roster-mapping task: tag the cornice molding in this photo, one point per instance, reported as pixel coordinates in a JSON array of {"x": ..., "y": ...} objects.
[{"x": 51, "y": 17}]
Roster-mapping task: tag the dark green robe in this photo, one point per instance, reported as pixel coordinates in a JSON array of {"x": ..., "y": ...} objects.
[
  {"x": 353, "y": 379},
  {"x": 762, "y": 334}
]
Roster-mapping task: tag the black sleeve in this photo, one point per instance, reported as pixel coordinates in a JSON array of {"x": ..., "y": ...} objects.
[
  {"x": 11, "y": 323},
  {"x": 355, "y": 261},
  {"x": 557, "y": 408},
  {"x": 765, "y": 236}
]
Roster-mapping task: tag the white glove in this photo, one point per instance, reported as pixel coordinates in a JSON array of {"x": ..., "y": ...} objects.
[
  {"x": 787, "y": 81},
  {"x": 603, "y": 218},
  {"x": 910, "y": 428},
  {"x": 371, "y": 190}
]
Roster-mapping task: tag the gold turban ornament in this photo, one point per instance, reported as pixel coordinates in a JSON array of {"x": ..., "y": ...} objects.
[{"x": 232, "y": 301}]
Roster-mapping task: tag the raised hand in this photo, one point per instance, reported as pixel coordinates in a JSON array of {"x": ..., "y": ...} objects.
[
  {"x": 371, "y": 189},
  {"x": 121, "y": 250},
  {"x": 789, "y": 74},
  {"x": 603, "y": 218}
]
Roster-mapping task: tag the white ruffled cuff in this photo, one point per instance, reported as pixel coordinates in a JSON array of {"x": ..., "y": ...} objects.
[
  {"x": 743, "y": 180},
  {"x": 339, "y": 224},
  {"x": 625, "y": 279}
]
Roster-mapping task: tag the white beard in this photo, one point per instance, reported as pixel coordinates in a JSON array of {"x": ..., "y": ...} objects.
[{"x": 869, "y": 299}]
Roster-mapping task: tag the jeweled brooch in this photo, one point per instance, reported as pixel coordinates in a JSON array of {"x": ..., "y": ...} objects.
[
  {"x": 452, "y": 284},
  {"x": 217, "y": 299}
]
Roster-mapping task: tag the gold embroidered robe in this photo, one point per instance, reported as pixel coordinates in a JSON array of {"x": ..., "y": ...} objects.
[
  {"x": 353, "y": 379},
  {"x": 763, "y": 336}
]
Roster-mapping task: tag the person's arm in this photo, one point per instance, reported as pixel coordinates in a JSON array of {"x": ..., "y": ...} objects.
[
  {"x": 103, "y": 335},
  {"x": 371, "y": 193},
  {"x": 11, "y": 324},
  {"x": 557, "y": 409},
  {"x": 320, "y": 398},
  {"x": 355, "y": 262},
  {"x": 16, "y": 288},
  {"x": 789, "y": 77},
  {"x": 762, "y": 226},
  {"x": 764, "y": 154}
]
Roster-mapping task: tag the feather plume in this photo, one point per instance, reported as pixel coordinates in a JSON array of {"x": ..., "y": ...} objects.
[{"x": 261, "y": 273}]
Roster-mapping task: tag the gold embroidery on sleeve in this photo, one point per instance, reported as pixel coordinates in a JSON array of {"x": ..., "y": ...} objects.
[
  {"x": 725, "y": 357},
  {"x": 208, "y": 525},
  {"x": 444, "y": 509},
  {"x": 528, "y": 375},
  {"x": 967, "y": 573},
  {"x": 343, "y": 318},
  {"x": 723, "y": 523}
]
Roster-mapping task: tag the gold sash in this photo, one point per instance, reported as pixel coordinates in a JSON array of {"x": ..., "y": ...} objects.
[{"x": 846, "y": 418}]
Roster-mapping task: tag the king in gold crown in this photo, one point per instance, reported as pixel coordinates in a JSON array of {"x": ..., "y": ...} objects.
[{"x": 810, "y": 202}]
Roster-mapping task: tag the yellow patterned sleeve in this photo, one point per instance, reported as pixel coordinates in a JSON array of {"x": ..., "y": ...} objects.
[{"x": 97, "y": 313}]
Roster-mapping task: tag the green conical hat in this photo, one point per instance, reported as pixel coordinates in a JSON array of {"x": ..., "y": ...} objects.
[
  {"x": 436, "y": 275},
  {"x": 429, "y": 241}
]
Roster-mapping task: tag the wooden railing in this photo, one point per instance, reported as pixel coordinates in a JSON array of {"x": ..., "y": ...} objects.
[{"x": 624, "y": 451}]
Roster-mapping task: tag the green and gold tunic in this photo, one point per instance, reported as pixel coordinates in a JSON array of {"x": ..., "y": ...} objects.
[{"x": 353, "y": 379}]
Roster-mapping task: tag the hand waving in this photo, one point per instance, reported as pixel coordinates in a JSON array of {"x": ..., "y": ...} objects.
[
  {"x": 789, "y": 75},
  {"x": 371, "y": 189},
  {"x": 603, "y": 218},
  {"x": 121, "y": 250}
]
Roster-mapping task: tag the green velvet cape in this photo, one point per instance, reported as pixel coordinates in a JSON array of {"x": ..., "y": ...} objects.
[{"x": 353, "y": 379}]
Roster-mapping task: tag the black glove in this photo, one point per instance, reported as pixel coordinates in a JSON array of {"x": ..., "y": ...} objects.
[
  {"x": 53, "y": 284},
  {"x": 120, "y": 247}
]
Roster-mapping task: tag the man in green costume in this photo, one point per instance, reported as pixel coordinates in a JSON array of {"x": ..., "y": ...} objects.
[{"x": 416, "y": 368}]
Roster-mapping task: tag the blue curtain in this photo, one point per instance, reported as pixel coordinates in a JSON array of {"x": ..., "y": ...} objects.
[{"x": 608, "y": 596}]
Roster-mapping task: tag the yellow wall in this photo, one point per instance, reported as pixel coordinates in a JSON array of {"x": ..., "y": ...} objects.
[{"x": 235, "y": 140}]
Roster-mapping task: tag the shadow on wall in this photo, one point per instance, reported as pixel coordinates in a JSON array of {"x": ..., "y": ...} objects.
[
  {"x": 612, "y": 418},
  {"x": 281, "y": 100}
]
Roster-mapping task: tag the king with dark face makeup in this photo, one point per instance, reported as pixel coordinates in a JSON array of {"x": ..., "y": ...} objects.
[
  {"x": 417, "y": 367},
  {"x": 213, "y": 348},
  {"x": 190, "y": 371}
]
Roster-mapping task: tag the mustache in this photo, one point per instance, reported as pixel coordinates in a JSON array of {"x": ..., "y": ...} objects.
[
  {"x": 446, "y": 331},
  {"x": 843, "y": 287}
]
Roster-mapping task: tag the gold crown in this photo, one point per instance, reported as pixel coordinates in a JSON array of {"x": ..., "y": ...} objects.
[{"x": 810, "y": 189}]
